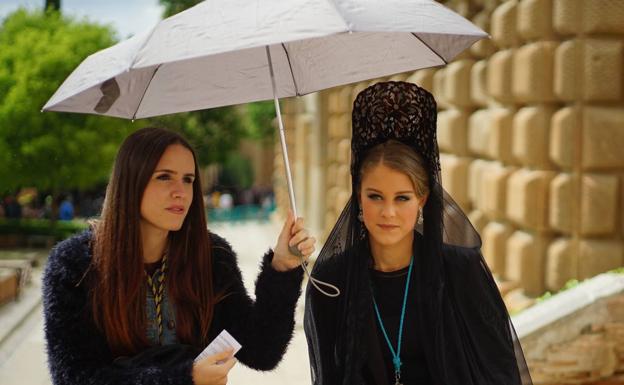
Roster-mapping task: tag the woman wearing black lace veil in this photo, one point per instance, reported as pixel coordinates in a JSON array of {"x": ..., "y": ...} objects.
[{"x": 432, "y": 317}]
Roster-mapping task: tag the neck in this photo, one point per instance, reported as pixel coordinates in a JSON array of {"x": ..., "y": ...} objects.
[
  {"x": 154, "y": 242},
  {"x": 392, "y": 257}
]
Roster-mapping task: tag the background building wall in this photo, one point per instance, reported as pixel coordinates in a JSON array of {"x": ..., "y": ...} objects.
[{"x": 531, "y": 129}]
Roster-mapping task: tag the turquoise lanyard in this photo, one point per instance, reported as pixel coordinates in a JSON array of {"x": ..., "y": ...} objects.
[{"x": 396, "y": 358}]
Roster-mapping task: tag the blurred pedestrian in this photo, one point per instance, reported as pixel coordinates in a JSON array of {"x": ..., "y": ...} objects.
[
  {"x": 66, "y": 209},
  {"x": 12, "y": 208}
]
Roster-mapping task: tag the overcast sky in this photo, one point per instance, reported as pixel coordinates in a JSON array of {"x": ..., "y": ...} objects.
[{"x": 127, "y": 17}]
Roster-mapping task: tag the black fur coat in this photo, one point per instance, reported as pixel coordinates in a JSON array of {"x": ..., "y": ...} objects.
[{"x": 78, "y": 352}]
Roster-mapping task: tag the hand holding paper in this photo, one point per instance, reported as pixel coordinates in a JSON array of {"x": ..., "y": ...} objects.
[
  {"x": 212, "y": 365},
  {"x": 222, "y": 343}
]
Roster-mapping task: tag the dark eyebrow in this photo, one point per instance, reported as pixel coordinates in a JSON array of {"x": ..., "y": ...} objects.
[
  {"x": 397, "y": 193},
  {"x": 173, "y": 172}
]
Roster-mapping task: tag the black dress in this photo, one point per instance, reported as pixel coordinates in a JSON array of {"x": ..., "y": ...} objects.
[
  {"x": 389, "y": 288},
  {"x": 473, "y": 322}
]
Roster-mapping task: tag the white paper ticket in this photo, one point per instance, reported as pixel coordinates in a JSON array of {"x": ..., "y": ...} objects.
[{"x": 223, "y": 342}]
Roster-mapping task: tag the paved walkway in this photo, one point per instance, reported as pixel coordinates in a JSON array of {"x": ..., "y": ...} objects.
[{"x": 22, "y": 352}]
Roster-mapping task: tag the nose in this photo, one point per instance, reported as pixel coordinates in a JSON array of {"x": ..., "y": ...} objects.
[
  {"x": 388, "y": 210},
  {"x": 178, "y": 190}
]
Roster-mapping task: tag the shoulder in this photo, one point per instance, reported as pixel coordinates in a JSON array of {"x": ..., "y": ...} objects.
[
  {"x": 71, "y": 257},
  {"x": 331, "y": 268},
  {"x": 459, "y": 257},
  {"x": 465, "y": 265},
  {"x": 465, "y": 268},
  {"x": 221, "y": 249},
  {"x": 219, "y": 244},
  {"x": 224, "y": 259}
]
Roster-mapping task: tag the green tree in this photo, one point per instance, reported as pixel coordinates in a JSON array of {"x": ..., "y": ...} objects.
[
  {"x": 260, "y": 121},
  {"x": 50, "y": 151},
  {"x": 53, "y": 4},
  {"x": 214, "y": 133},
  {"x": 237, "y": 171}
]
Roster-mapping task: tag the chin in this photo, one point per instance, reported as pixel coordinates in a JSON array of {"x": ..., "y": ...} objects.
[
  {"x": 386, "y": 240},
  {"x": 173, "y": 226}
]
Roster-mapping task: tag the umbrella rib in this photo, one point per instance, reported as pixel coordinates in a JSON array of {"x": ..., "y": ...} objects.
[
  {"x": 431, "y": 49},
  {"x": 291, "y": 70},
  {"x": 134, "y": 59},
  {"x": 145, "y": 91}
]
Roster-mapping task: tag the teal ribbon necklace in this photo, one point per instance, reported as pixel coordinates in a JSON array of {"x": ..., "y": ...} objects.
[{"x": 396, "y": 355}]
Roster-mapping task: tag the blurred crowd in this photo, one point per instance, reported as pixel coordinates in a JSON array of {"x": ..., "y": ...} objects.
[{"x": 32, "y": 204}]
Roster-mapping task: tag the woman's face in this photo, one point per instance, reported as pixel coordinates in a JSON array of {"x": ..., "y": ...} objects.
[
  {"x": 390, "y": 206},
  {"x": 169, "y": 192}
]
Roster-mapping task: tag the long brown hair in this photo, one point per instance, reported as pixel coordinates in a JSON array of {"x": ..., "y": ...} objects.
[{"x": 118, "y": 291}]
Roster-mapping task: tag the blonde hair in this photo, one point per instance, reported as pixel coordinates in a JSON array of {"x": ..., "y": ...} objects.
[{"x": 399, "y": 157}]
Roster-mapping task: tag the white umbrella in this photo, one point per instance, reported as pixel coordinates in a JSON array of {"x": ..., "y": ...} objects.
[{"x": 224, "y": 52}]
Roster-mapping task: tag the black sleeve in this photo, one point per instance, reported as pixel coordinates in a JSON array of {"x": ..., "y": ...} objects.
[
  {"x": 263, "y": 327},
  {"x": 77, "y": 353},
  {"x": 484, "y": 323}
]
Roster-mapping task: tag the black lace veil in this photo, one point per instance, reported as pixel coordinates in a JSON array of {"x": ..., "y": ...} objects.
[{"x": 453, "y": 332}]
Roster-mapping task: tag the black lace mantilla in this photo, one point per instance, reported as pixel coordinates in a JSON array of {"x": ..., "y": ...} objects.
[{"x": 395, "y": 110}]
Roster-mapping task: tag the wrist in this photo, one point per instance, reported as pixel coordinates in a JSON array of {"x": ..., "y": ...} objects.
[{"x": 279, "y": 264}]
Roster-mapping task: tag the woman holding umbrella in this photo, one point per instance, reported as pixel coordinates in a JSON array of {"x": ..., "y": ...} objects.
[
  {"x": 418, "y": 304},
  {"x": 134, "y": 299}
]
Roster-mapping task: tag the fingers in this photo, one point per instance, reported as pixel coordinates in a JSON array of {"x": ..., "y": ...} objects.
[
  {"x": 222, "y": 370},
  {"x": 229, "y": 364},
  {"x": 298, "y": 226},
  {"x": 298, "y": 237},
  {"x": 301, "y": 238},
  {"x": 303, "y": 242},
  {"x": 287, "y": 225},
  {"x": 307, "y": 246},
  {"x": 223, "y": 356},
  {"x": 294, "y": 234}
]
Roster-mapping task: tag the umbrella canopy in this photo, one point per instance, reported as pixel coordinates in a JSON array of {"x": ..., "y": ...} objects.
[
  {"x": 224, "y": 52},
  {"x": 219, "y": 52}
]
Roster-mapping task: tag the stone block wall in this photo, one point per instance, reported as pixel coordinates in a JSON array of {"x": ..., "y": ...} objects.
[{"x": 531, "y": 127}]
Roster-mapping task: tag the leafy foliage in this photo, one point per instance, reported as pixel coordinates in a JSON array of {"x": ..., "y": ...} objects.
[
  {"x": 214, "y": 133},
  {"x": 260, "y": 121},
  {"x": 58, "y": 229},
  {"x": 237, "y": 172},
  {"x": 51, "y": 151},
  {"x": 54, "y": 4}
]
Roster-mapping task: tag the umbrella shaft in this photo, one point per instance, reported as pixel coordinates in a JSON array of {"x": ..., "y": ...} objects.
[{"x": 291, "y": 192}]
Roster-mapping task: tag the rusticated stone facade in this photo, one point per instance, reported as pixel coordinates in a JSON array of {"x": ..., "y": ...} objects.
[{"x": 531, "y": 126}]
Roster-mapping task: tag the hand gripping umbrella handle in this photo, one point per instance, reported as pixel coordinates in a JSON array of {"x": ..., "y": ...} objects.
[{"x": 291, "y": 193}]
